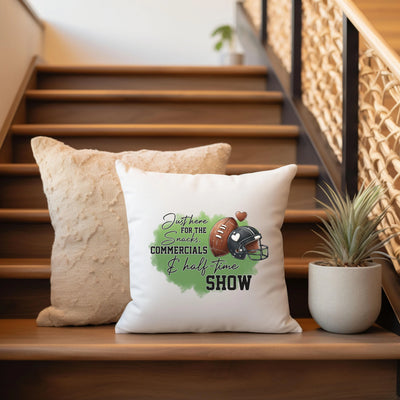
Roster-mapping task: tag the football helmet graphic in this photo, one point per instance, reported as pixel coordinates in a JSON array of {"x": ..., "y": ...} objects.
[{"x": 246, "y": 241}]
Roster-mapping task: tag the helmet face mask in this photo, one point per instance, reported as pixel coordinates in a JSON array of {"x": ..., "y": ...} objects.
[
  {"x": 246, "y": 241},
  {"x": 258, "y": 254}
]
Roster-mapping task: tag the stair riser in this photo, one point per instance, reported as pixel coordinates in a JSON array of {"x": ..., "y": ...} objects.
[
  {"x": 199, "y": 380},
  {"x": 148, "y": 82},
  {"x": 27, "y": 192},
  {"x": 22, "y": 192},
  {"x": 25, "y": 298},
  {"x": 298, "y": 238},
  {"x": 254, "y": 150},
  {"x": 25, "y": 240},
  {"x": 34, "y": 240},
  {"x": 129, "y": 112}
]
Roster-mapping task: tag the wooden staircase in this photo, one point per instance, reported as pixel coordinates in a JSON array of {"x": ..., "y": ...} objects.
[{"x": 129, "y": 108}]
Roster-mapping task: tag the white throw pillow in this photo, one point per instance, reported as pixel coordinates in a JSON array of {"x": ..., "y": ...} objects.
[{"x": 206, "y": 252}]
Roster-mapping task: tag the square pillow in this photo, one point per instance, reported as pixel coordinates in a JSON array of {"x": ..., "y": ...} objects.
[
  {"x": 206, "y": 252},
  {"x": 89, "y": 260}
]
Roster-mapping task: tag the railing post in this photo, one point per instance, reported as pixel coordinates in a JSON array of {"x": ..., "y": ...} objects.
[
  {"x": 263, "y": 27},
  {"x": 295, "y": 76},
  {"x": 350, "y": 109}
]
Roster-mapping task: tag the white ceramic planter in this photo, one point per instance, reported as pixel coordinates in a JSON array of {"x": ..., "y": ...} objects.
[
  {"x": 231, "y": 58},
  {"x": 344, "y": 299}
]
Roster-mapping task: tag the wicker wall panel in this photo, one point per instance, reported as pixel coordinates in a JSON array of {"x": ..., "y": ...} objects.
[
  {"x": 253, "y": 8},
  {"x": 279, "y": 30},
  {"x": 322, "y": 68},
  {"x": 379, "y": 135}
]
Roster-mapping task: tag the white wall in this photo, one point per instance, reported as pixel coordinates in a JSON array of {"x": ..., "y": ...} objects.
[
  {"x": 20, "y": 40},
  {"x": 157, "y": 32}
]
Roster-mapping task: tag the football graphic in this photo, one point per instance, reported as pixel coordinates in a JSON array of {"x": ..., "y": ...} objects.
[
  {"x": 219, "y": 236},
  {"x": 227, "y": 236}
]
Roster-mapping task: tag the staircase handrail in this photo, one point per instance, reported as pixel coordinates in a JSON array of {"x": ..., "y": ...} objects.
[{"x": 371, "y": 35}]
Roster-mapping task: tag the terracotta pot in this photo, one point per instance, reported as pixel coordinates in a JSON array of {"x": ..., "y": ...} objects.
[{"x": 344, "y": 299}]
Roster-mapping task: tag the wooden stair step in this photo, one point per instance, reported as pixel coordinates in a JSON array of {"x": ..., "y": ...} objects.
[
  {"x": 24, "y": 215},
  {"x": 175, "y": 96},
  {"x": 25, "y": 286},
  {"x": 42, "y": 215},
  {"x": 303, "y": 171},
  {"x": 23, "y": 340},
  {"x": 274, "y": 143},
  {"x": 22, "y": 187},
  {"x": 94, "y": 362},
  {"x": 21, "y": 226},
  {"x": 158, "y": 130},
  {"x": 304, "y": 216},
  {"x": 244, "y": 70},
  {"x": 151, "y": 77},
  {"x": 25, "y": 268},
  {"x": 39, "y": 268},
  {"x": 154, "y": 106}
]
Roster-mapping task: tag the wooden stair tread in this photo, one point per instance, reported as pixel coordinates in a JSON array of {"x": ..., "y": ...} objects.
[
  {"x": 39, "y": 268},
  {"x": 201, "y": 96},
  {"x": 25, "y": 268},
  {"x": 303, "y": 171},
  {"x": 304, "y": 216},
  {"x": 220, "y": 130},
  {"x": 13, "y": 169},
  {"x": 22, "y": 340},
  {"x": 24, "y": 215},
  {"x": 42, "y": 215},
  {"x": 245, "y": 70}
]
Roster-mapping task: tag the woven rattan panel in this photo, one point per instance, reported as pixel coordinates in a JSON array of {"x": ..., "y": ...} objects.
[
  {"x": 322, "y": 68},
  {"x": 379, "y": 102},
  {"x": 379, "y": 136},
  {"x": 253, "y": 8},
  {"x": 279, "y": 29}
]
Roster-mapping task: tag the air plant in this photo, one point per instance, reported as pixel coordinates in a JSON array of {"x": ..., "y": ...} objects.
[{"x": 350, "y": 234}]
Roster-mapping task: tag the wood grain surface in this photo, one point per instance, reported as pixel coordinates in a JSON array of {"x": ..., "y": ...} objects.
[
  {"x": 22, "y": 187},
  {"x": 23, "y": 340},
  {"x": 39, "y": 268},
  {"x": 157, "y": 130},
  {"x": 180, "y": 70},
  {"x": 384, "y": 15},
  {"x": 198, "y": 380}
]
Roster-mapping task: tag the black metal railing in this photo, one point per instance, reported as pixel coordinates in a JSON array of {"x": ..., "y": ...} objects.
[{"x": 349, "y": 165}]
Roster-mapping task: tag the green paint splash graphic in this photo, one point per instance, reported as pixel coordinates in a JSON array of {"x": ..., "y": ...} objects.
[{"x": 190, "y": 270}]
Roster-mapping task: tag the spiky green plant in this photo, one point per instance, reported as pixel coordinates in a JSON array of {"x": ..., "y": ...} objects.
[
  {"x": 226, "y": 33},
  {"x": 350, "y": 234}
]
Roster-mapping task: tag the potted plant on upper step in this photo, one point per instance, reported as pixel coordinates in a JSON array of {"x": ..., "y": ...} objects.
[
  {"x": 227, "y": 45},
  {"x": 345, "y": 286}
]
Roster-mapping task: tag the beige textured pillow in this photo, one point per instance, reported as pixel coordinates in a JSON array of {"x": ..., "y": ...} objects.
[{"x": 89, "y": 261}]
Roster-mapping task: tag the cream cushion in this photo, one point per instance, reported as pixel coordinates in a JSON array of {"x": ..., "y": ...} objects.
[
  {"x": 183, "y": 278},
  {"x": 89, "y": 260}
]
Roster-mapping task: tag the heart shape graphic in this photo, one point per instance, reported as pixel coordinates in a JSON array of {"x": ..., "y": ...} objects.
[
  {"x": 235, "y": 237},
  {"x": 241, "y": 215}
]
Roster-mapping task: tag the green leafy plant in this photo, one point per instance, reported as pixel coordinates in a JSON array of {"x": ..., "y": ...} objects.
[
  {"x": 226, "y": 35},
  {"x": 350, "y": 234}
]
